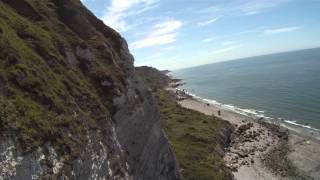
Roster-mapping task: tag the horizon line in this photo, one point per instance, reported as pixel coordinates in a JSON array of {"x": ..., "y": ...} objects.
[{"x": 240, "y": 58}]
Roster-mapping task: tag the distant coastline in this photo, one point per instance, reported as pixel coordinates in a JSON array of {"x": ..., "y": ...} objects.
[
  {"x": 301, "y": 141},
  {"x": 304, "y": 130},
  {"x": 249, "y": 57},
  {"x": 279, "y": 87}
]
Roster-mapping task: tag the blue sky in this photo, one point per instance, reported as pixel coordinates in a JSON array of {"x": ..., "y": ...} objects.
[{"x": 174, "y": 34}]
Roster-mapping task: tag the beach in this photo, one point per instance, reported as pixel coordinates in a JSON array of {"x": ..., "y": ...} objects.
[{"x": 253, "y": 139}]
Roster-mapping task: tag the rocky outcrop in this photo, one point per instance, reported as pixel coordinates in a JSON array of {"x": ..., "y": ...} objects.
[
  {"x": 100, "y": 158},
  {"x": 249, "y": 142},
  {"x": 72, "y": 107}
]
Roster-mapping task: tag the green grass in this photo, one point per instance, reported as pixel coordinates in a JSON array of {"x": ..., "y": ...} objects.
[
  {"x": 42, "y": 97},
  {"x": 196, "y": 139}
]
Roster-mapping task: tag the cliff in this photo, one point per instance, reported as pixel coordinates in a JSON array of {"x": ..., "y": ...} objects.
[
  {"x": 152, "y": 77},
  {"x": 71, "y": 104},
  {"x": 199, "y": 141}
]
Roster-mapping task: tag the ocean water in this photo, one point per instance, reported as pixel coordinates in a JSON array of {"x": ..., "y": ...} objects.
[{"x": 284, "y": 86}]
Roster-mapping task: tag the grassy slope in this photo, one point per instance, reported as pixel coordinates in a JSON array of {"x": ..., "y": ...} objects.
[
  {"x": 41, "y": 96},
  {"x": 151, "y": 76},
  {"x": 196, "y": 137}
]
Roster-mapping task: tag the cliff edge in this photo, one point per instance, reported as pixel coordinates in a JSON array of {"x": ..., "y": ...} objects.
[{"x": 71, "y": 104}]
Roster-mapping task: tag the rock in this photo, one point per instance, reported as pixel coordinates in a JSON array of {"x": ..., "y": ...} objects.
[
  {"x": 262, "y": 149},
  {"x": 245, "y": 127},
  {"x": 252, "y": 161},
  {"x": 236, "y": 157},
  {"x": 71, "y": 58},
  {"x": 243, "y": 163},
  {"x": 243, "y": 153},
  {"x": 234, "y": 168},
  {"x": 106, "y": 83},
  {"x": 84, "y": 53}
]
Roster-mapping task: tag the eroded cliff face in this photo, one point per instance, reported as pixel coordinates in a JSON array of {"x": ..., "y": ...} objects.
[{"x": 71, "y": 105}]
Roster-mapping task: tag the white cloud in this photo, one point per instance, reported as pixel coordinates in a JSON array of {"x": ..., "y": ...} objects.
[
  {"x": 161, "y": 34},
  {"x": 205, "y": 23},
  {"x": 228, "y": 43},
  {"x": 281, "y": 30},
  {"x": 152, "y": 41},
  {"x": 166, "y": 27},
  {"x": 226, "y": 49},
  {"x": 236, "y": 8},
  {"x": 210, "y": 39},
  {"x": 256, "y": 7},
  {"x": 147, "y": 8},
  {"x": 119, "y": 10}
]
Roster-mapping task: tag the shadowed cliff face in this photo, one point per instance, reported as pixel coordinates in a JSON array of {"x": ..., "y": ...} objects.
[
  {"x": 205, "y": 137},
  {"x": 71, "y": 106}
]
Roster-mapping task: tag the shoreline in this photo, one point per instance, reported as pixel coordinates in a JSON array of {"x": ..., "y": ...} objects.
[
  {"x": 303, "y": 130},
  {"x": 243, "y": 158},
  {"x": 255, "y": 140}
]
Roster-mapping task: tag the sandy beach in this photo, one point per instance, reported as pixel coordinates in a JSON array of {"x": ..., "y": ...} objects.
[{"x": 252, "y": 140}]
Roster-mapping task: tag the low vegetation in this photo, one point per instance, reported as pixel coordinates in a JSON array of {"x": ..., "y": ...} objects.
[
  {"x": 44, "y": 97},
  {"x": 154, "y": 78},
  {"x": 197, "y": 139}
]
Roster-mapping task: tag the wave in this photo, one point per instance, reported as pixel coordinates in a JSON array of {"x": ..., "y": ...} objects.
[
  {"x": 242, "y": 111},
  {"x": 301, "y": 125},
  {"x": 254, "y": 113}
]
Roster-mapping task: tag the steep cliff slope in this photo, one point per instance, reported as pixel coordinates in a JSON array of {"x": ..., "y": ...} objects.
[
  {"x": 152, "y": 77},
  {"x": 71, "y": 106},
  {"x": 198, "y": 140}
]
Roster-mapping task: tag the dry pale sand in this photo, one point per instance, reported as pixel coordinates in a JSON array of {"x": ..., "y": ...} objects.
[
  {"x": 305, "y": 154},
  {"x": 304, "y": 151}
]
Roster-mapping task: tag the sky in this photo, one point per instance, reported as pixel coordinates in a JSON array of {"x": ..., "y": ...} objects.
[{"x": 175, "y": 34}]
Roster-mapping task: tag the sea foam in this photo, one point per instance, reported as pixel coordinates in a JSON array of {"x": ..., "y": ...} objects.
[{"x": 258, "y": 114}]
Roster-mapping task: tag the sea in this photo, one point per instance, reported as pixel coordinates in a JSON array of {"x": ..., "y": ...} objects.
[{"x": 282, "y": 88}]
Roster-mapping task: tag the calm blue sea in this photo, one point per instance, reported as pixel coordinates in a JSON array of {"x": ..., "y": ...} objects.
[{"x": 284, "y": 85}]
